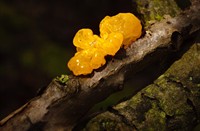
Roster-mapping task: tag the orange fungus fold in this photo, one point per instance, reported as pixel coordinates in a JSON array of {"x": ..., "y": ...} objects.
[
  {"x": 115, "y": 32},
  {"x": 125, "y": 23}
]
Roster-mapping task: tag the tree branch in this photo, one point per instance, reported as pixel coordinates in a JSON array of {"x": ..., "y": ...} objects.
[
  {"x": 170, "y": 103},
  {"x": 63, "y": 103}
]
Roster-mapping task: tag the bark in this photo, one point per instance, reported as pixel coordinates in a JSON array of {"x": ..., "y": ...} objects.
[
  {"x": 170, "y": 103},
  {"x": 152, "y": 10},
  {"x": 68, "y": 98}
]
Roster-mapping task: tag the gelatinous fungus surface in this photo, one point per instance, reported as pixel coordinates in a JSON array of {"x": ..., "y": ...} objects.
[{"x": 115, "y": 32}]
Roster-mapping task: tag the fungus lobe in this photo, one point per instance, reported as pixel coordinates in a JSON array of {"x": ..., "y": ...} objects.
[{"x": 115, "y": 32}]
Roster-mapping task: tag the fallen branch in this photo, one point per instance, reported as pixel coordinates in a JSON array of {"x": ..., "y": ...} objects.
[
  {"x": 172, "y": 102},
  {"x": 63, "y": 103}
]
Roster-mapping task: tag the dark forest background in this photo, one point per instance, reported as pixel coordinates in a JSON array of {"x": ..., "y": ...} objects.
[{"x": 36, "y": 42}]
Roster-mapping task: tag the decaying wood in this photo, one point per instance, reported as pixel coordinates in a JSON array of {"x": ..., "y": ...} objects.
[
  {"x": 151, "y": 10},
  {"x": 172, "y": 102},
  {"x": 62, "y": 104}
]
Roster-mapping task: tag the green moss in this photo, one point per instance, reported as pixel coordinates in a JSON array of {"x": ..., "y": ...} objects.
[
  {"x": 158, "y": 122},
  {"x": 151, "y": 90},
  {"x": 159, "y": 17},
  {"x": 182, "y": 70},
  {"x": 107, "y": 121},
  {"x": 107, "y": 124},
  {"x": 154, "y": 10},
  {"x": 62, "y": 79}
]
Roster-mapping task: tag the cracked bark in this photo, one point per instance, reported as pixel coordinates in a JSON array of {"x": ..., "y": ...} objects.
[
  {"x": 62, "y": 104},
  {"x": 170, "y": 103}
]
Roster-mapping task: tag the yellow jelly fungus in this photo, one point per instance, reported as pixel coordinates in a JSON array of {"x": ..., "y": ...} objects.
[
  {"x": 111, "y": 44},
  {"x": 85, "y": 39},
  {"x": 91, "y": 50},
  {"x": 115, "y": 31},
  {"x": 86, "y": 60},
  {"x": 125, "y": 23}
]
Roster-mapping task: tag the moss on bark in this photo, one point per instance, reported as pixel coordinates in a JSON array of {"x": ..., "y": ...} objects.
[
  {"x": 170, "y": 103},
  {"x": 152, "y": 10}
]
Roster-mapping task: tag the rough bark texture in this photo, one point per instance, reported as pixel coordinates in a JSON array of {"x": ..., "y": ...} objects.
[
  {"x": 170, "y": 103},
  {"x": 152, "y": 10},
  {"x": 68, "y": 98}
]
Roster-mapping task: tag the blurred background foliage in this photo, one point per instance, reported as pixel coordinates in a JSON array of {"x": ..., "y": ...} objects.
[{"x": 36, "y": 42}]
